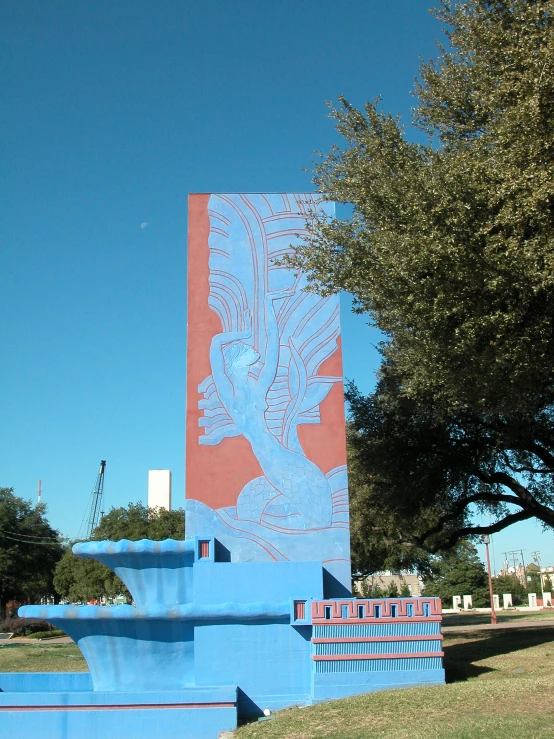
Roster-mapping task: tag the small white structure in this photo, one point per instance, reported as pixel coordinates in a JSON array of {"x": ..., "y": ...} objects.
[
  {"x": 506, "y": 600},
  {"x": 547, "y": 599},
  {"x": 532, "y": 600},
  {"x": 159, "y": 489},
  {"x": 496, "y": 601},
  {"x": 456, "y": 601},
  {"x": 468, "y": 602}
]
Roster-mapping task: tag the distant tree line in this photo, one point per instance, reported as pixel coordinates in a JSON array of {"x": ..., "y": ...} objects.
[
  {"x": 29, "y": 551},
  {"x": 36, "y": 563},
  {"x": 81, "y": 580}
]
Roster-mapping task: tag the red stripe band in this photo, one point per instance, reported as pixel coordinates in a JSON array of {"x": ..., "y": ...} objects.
[
  {"x": 354, "y": 639},
  {"x": 384, "y": 620},
  {"x": 120, "y": 707}
]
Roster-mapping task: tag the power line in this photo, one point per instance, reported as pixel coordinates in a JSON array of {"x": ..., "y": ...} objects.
[
  {"x": 50, "y": 543},
  {"x": 28, "y": 536}
]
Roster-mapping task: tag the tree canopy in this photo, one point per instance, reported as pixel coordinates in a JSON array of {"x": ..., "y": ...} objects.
[
  {"x": 29, "y": 550},
  {"x": 450, "y": 252},
  {"x": 84, "y": 579}
]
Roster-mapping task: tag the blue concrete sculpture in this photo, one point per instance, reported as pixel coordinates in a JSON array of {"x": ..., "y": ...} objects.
[{"x": 208, "y": 641}]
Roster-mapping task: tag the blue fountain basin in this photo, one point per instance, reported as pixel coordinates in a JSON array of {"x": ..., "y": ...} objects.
[
  {"x": 148, "y": 648},
  {"x": 155, "y": 572}
]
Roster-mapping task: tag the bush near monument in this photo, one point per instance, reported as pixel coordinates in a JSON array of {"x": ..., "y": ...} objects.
[
  {"x": 24, "y": 626},
  {"x": 450, "y": 253},
  {"x": 86, "y": 579}
]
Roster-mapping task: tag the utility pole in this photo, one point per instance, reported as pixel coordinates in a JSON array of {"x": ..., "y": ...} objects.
[
  {"x": 39, "y": 493},
  {"x": 520, "y": 552},
  {"x": 486, "y": 540}
]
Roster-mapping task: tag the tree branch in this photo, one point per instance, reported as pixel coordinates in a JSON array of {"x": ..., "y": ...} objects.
[
  {"x": 449, "y": 542},
  {"x": 461, "y": 505},
  {"x": 542, "y": 512},
  {"x": 546, "y": 457},
  {"x": 524, "y": 468}
]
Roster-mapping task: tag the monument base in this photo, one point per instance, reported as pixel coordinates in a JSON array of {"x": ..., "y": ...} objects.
[
  {"x": 65, "y": 705},
  {"x": 268, "y": 630}
]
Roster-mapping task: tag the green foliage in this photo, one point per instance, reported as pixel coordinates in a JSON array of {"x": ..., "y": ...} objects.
[
  {"x": 49, "y": 634},
  {"x": 405, "y": 590},
  {"x": 376, "y": 536},
  {"x": 24, "y": 626},
  {"x": 534, "y": 583},
  {"x": 368, "y": 588},
  {"x": 547, "y": 584},
  {"x": 136, "y": 521},
  {"x": 450, "y": 250},
  {"x": 510, "y": 584},
  {"x": 85, "y": 579},
  {"x": 81, "y": 580},
  {"x": 29, "y": 550},
  {"x": 459, "y": 572}
]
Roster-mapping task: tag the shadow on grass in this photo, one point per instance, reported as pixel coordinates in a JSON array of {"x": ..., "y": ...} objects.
[{"x": 459, "y": 659}]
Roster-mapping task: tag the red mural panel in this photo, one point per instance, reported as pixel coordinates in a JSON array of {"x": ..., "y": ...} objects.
[{"x": 238, "y": 293}]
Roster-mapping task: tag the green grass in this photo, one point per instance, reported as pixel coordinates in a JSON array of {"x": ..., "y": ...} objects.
[
  {"x": 41, "y": 657},
  {"x": 467, "y": 619},
  {"x": 499, "y": 685}
]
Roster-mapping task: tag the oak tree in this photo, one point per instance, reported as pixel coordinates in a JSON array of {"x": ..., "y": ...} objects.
[{"x": 450, "y": 252}]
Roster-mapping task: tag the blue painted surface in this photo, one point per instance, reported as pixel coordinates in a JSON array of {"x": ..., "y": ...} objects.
[
  {"x": 343, "y": 685},
  {"x": 200, "y": 696},
  {"x": 128, "y": 722},
  {"x": 32, "y": 682},
  {"x": 270, "y": 663},
  {"x": 265, "y": 382},
  {"x": 155, "y": 572},
  {"x": 248, "y": 581},
  {"x": 205, "y": 723}
]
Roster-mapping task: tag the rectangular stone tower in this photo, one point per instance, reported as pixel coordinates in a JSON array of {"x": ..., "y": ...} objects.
[{"x": 265, "y": 448}]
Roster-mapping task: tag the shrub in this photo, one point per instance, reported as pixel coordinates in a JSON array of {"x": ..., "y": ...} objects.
[
  {"x": 47, "y": 634},
  {"x": 24, "y": 626}
]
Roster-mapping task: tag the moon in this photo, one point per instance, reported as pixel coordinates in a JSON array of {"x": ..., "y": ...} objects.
[{"x": 143, "y": 225}]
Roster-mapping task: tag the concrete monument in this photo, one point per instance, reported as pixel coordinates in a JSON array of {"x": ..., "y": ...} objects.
[{"x": 253, "y": 610}]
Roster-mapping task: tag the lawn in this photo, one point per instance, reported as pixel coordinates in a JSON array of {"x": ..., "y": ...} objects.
[
  {"x": 39, "y": 657},
  {"x": 468, "y": 619},
  {"x": 499, "y": 685}
]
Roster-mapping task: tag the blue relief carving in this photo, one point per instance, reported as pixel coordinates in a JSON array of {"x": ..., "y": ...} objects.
[{"x": 265, "y": 383}]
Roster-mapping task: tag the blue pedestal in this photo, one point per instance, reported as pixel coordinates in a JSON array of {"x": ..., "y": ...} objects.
[{"x": 163, "y": 666}]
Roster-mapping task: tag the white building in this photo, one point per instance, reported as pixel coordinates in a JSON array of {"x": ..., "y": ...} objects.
[{"x": 159, "y": 489}]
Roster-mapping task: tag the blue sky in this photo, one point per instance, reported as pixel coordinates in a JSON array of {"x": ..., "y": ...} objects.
[{"x": 113, "y": 113}]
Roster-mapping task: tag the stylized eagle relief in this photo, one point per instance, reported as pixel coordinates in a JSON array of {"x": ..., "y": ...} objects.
[{"x": 264, "y": 379}]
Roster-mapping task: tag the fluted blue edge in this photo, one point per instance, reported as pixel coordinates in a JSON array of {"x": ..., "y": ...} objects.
[
  {"x": 90, "y": 549},
  {"x": 186, "y": 612}
]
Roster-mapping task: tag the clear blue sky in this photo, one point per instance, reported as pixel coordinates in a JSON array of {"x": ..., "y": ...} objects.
[{"x": 112, "y": 113}]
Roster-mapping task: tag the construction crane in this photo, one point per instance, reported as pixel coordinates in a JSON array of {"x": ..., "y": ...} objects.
[{"x": 96, "y": 501}]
